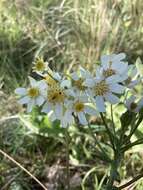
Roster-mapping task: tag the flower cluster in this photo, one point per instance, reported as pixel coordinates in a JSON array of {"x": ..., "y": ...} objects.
[{"x": 80, "y": 94}]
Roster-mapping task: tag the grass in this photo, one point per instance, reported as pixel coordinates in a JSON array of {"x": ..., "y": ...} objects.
[{"x": 67, "y": 33}]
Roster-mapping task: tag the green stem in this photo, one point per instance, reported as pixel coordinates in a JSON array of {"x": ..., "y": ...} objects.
[
  {"x": 137, "y": 142},
  {"x": 114, "y": 170},
  {"x": 135, "y": 128},
  {"x": 112, "y": 117},
  {"x": 98, "y": 144},
  {"x": 108, "y": 131},
  {"x": 67, "y": 161}
]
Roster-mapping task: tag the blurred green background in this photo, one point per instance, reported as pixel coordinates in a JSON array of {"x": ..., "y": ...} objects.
[{"x": 66, "y": 33}]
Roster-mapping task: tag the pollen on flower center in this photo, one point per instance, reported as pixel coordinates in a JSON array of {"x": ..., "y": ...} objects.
[
  {"x": 33, "y": 92},
  {"x": 133, "y": 106},
  {"x": 50, "y": 81},
  {"x": 56, "y": 94},
  {"x": 79, "y": 84},
  {"x": 109, "y": 72},
  {"x": 101, "y": 88},
  {"x": 79, "y": 106},
  {"x": 39, "y": 65}
]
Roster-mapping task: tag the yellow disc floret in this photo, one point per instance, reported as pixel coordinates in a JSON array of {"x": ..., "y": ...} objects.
[
  {"x": 109, "y": 72},
  {"x": 39, "y": 65},
  {"x": 79, "y": 106},
  {"x": 33, "y": 92},
  {"x": 56, "y": 94},
  {"x": 101, "y": 88},
  {"x": 79, "y": 84}
]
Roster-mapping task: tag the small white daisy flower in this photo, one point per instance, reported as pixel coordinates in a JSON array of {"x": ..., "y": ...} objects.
[
  {"x": 32, "y": 96},
  {"x": 39, "y": 65},
  {"x": 104, "y": 90},
  {"x": 112, "y": 65},
  {"x": 133, "y": 105},
  {"x": 79, "y": 108},
  {"x": 56, "y": 96},
  {"x": 78, "y": 79},
  {"x": 133, "y": 77}
]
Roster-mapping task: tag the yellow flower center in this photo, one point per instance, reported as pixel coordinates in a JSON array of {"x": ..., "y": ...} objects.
[
  {"x": 79, "y": 106},
  {"x": 79, "y": 84},
  {"x": 133, "y": 106},
  {"x": 33, "y": 92},
  {"x": 56, "y": 94},
  {"x": 109, "y": 72},
  {"x": 39, "y": 65},
  {"x": 50, "y": 81},
  {"x": 101, "y": 88}
]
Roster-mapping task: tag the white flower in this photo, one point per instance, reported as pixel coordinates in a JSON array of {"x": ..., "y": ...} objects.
[
  {"x": 133, "y": 77},
  {"x": 79, "y": 108},
  {"x": 56, "y": 96},
  {"x": 112, "y": 65},
  {"x": 39, "y": 65},
  {"x": 78, "y": 79},
  {"x": 34, "y": 95},
  {"x": 133, "y": 105},
  {"x": 103, "y": 90}
]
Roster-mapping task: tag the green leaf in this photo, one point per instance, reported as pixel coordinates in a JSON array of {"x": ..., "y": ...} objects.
[{"x": 126, "y": 119}]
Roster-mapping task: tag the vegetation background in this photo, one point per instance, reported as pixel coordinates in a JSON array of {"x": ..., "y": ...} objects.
[{"x": 66, "y": 33}]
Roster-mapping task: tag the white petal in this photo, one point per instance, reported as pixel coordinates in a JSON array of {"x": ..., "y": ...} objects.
[
  {"x": 82, "y": 118},
  {"x": 58, "y": 111},
  {"x": 111, "y": 98},
  {"x": 33, "y": 82},
  {"x": 113, "y": 79},
  {"x": 119, "y": 57},
  {"x": 89, "y": 110},
  {"x": 57, "y": 76},
  {"x": 21, "y": 91},
  {"x": 30, "y": 105},
  {"x": 105, "y": 61},
  {"x": 74, "y": 76},
  {"x": 99, "y": 72},
  {"x": 117, "y": 88},
  {"x": 24, "y": 100},
  {"x": 39, "y": 100},
  {"x": 89, "y": 82},
  {"x": 67, "y": 119},
  {"x": 100, "y": 103},
  {"x": 42, "y": 85},
  {"x": 120, "y": 67},
  {"x": 70, "y": 92},
  {"x": 46, "y": 108},
  {"x": 65, "y": 84}
]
